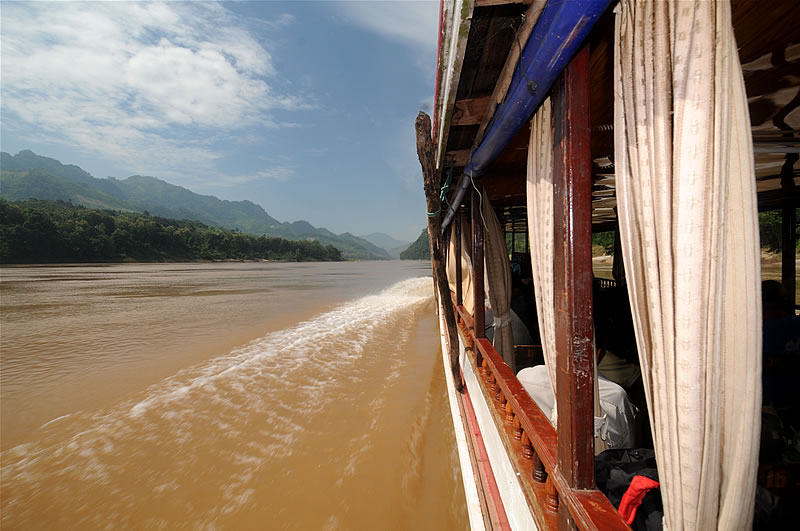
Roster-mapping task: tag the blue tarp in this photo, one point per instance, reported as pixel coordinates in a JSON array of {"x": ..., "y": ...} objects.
[{"x": 558, "y": 35}]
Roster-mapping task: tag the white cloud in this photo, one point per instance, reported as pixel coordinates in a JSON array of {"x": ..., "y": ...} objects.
[
  {"x": 277, "y": 173},
  {"x": 412, "y": 22},
  {"x": 128, "y": 81}
]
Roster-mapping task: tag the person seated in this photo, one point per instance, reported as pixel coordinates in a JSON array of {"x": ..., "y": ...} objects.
[
  {"x": 617, "y": 427},
  {"x": 519, "y": 331},
  {"x": 617, "y": 355},
  {"x": 524, "y": 305}
]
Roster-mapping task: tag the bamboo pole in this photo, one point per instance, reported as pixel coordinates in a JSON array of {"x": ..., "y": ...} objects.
[{"x": 431, "y": 184}]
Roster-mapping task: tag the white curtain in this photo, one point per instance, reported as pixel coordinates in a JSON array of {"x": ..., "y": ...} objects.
[
  {"x": 498, "y": 274},
  {"x": 466, "y": 266},
  {"x": 540, "y": 228},
  {"x": 688, "y": 220}
]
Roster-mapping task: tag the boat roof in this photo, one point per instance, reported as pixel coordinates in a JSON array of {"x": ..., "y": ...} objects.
[{"x": 483, "y": 39}]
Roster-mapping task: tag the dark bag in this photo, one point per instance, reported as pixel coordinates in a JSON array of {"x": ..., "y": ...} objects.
[{"x": 614, "y": 471}]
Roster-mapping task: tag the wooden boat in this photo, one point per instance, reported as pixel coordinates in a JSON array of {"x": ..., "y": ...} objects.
[{"x": 499, "y": 60}]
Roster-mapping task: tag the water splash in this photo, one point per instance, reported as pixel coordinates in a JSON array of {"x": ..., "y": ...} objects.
[{"x": 239, "y": 415}]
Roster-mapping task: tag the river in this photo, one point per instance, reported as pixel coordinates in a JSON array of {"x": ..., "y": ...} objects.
[{"x": 224, "y": 396}]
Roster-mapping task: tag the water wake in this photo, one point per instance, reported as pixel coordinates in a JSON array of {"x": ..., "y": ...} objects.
[{"x": 238, "y": 417}]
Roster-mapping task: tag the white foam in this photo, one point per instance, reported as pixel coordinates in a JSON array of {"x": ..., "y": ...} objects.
[
  {"x": 342, "y": 332},
  {"x": 55, "y": 420},
  {"x": 263, "y": 384}
]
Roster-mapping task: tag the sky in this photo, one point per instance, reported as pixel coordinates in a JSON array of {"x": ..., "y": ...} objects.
[{"x": 306, "y": 108}]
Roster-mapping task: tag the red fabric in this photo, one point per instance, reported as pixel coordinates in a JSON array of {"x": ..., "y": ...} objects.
[{"x": 639, "y": 487}]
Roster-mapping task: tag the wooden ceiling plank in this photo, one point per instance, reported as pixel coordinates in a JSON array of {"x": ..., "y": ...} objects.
[
  {"x": 469, "y": 111},
  {"x": 504, "y": 80},
  {"x": 457, "y": 158}
]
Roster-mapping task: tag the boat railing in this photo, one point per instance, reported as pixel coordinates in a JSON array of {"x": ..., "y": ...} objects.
[
  {"x": 605, "y": 283},
  {"x": 531, "y": 442}
]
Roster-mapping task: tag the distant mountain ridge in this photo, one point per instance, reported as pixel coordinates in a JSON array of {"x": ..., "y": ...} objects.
[
  {"x": 31, "y": 176},
  {"x": 393, "y": 246},
  {"x": 419, "y": 250}
]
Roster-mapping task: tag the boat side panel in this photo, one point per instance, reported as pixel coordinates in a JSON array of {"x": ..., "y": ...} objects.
[
  {"x": 474, "y": 510},
  {"x": 511, "y": 492}
]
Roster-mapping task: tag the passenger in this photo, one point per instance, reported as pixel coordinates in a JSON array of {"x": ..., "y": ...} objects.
[
  {"x": 618, "y": 357},
  {"x": 525, "y": 307},
  {"x": 781, "y": 345},
  {"x": 519, "y": 331},
  {"x": 618, "y": 429}
]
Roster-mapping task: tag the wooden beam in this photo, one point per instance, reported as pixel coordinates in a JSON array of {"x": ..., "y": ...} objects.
[
  {"x": 457, "y": 158},
  {"x": 504, "y": 80},
  {"x": 469, "y": 111},
  {"x": 503, "y": 185},
  {"x": 775, "y": 199},
  {"x": 572, "y": 195},
  {"x": 477, "y": 265}
]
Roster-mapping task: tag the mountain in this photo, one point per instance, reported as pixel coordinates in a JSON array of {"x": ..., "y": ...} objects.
[
  {"x": 393, "y": 246},
  {"x": 38, "y": 184},
  {"x": 28, "y": 160},
  {"x": 419, "y": 250},
  {"x": 30, "y": 176}
]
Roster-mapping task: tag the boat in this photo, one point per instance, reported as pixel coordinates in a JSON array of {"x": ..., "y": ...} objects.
[{"x": 666, "y": 126}]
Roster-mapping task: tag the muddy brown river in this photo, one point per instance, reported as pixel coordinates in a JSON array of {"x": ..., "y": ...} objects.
[{"x": 224, "y": 396}]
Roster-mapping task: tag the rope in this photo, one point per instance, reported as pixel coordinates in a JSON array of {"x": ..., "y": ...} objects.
[
  {"x": 443, "y": 193},
  {"x": 480, "y": 200},
  {"x": 502, "y": 320},
  {"x": 446, "y": 187}
]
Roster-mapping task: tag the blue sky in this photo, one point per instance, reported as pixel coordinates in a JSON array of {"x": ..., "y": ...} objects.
[{"x": 305, "y": 108}]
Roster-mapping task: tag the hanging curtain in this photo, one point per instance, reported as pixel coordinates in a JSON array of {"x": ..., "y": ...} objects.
[
  {"x": 688, "y": 220},
  {"x": 498, "y": 274},
  {"x": 466, "y": 266},
  {"x": 540, "y": 228}
]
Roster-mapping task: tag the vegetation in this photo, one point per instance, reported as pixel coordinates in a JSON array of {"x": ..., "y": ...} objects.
[
  {"x": 520, "y": 245},
  {"x": 604, "y": 240},
  {"x": 419, "y": 250},
  {"x": 37, "y": 231},
  {"x": 770, "y": 229},
  {"x": 27, "y": 175}
]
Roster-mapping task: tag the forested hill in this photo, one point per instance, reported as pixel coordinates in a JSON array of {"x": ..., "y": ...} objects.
[
  {"x": 37, "y": 231},
  {"x": 419, "y": 250},
  {"x": 30, "y": 176}
]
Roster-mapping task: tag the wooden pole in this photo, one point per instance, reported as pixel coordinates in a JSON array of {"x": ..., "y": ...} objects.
[
  {"x": 431, "y": 184},
  {"x": 572, "y": 195},
  {"x": 459, "y": 273},
  {"x": 477, "y": 264},
  {"x": 788, "y": 224}
]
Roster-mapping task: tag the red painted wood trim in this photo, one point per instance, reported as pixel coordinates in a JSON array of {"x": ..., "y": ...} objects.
[
  {"x": 572, "y": 196},
  {"x": 589, "y": 509},
  {"x": 484, "y": 465}
]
